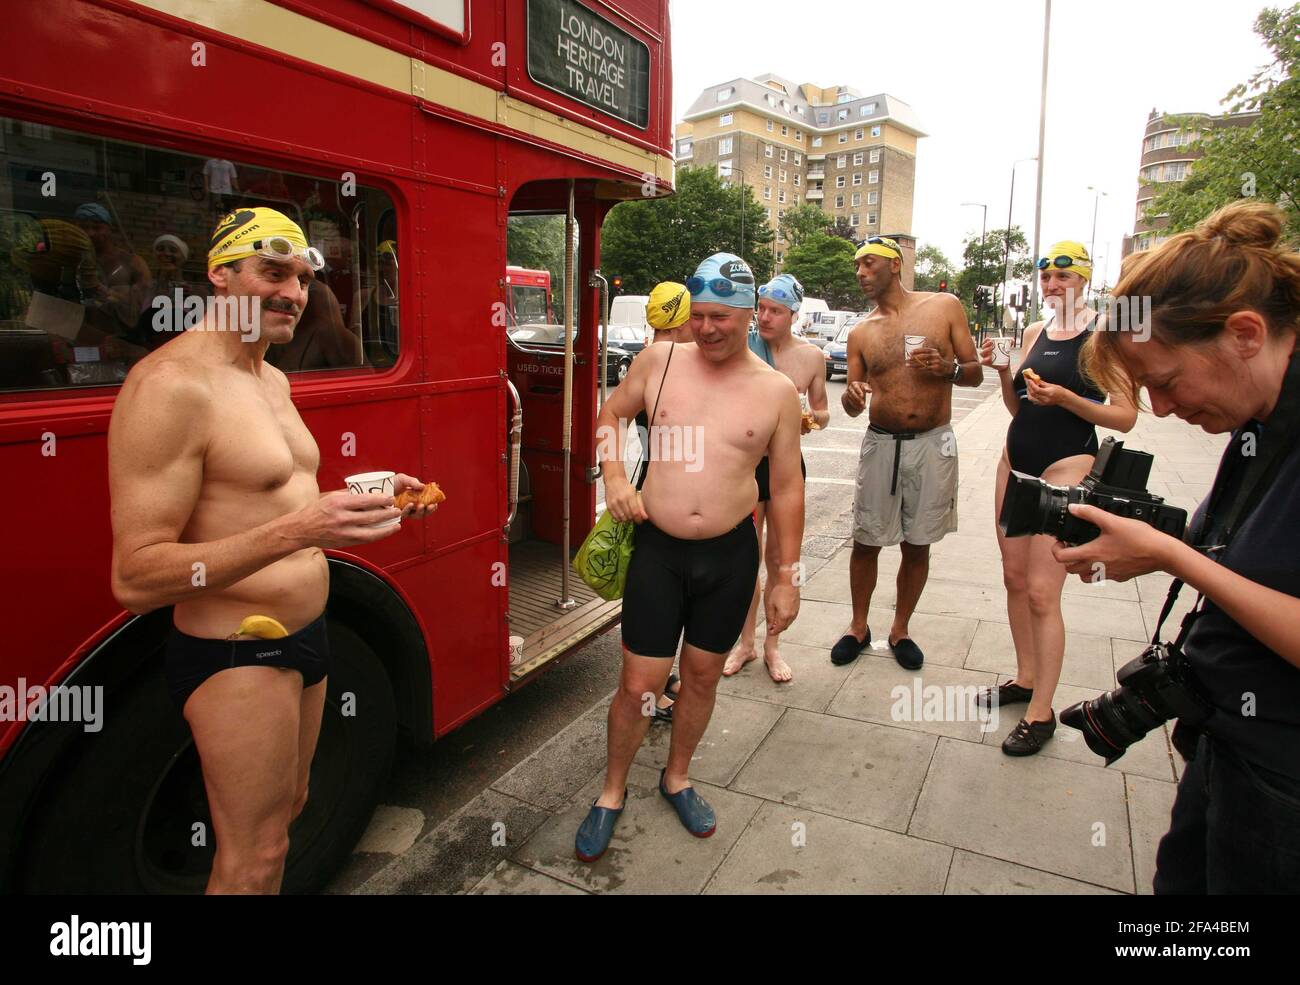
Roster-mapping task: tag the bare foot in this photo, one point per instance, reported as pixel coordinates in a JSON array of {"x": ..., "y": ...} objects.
[
  {"x": 737, "y": 658},
  {"x": 777, "y": 668}
]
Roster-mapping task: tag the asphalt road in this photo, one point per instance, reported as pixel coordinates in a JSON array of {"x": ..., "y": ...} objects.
[{"x": 428, "y": 786}]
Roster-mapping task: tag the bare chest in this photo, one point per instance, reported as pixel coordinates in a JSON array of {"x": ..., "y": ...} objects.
[
  {"x": 260, "y": 442},
  {"x": 734, "y": 417}
]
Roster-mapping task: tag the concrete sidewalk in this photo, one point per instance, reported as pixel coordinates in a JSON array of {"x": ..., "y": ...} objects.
[{"x": 832, "y": 784}]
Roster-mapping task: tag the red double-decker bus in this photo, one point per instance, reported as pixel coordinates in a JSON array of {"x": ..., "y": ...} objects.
[{"x": 414, "y": 141}]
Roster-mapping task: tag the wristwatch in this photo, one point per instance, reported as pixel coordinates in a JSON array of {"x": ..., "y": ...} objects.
[{"x": 956, "y": 371}]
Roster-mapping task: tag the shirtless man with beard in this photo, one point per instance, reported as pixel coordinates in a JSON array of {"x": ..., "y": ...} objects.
[
  {"x": 907, "y": 473},
  {"x": 696, "y": 558},
  {"x": 216, "y": 511}
]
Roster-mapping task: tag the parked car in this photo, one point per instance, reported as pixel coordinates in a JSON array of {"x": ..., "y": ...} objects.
[
  {"x": 625, "y": 341},
  {"x": 837, "y": 352}
]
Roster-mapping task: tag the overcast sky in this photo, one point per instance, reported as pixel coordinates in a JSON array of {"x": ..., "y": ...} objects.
[{"x": 972, "y": 72}]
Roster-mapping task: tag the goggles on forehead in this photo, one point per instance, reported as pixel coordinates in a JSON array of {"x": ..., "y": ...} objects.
[
  {"x": 280, "y": 248},
  {"x": 1060, "y": 262},
  {"x": 720, "y": 286},
  {"x": 780, "y": 293}
]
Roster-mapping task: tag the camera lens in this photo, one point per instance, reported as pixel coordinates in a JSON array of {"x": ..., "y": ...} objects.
[{"x": 1032, "y": 506}]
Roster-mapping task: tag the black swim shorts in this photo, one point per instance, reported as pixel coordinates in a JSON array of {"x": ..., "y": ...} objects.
[
  {"x": 191, "y": 660},
  {"x": 762, "y": 475},
  {"x": 702, "y": 587}
]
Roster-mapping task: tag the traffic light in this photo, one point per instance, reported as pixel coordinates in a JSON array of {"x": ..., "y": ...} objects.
[
  {"x": 943, "y": 287},
  {"x": 617, "y": 284}
]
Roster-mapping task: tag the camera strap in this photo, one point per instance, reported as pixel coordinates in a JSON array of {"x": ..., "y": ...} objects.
[{"x": 1269, "y": 449}]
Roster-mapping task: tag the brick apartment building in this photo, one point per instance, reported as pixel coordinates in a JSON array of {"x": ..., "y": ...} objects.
[
  {"x": 1167, "y": 156},
  {"x": 852, "y": 155}
]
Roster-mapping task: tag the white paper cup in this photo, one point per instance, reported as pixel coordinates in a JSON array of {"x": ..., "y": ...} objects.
[
  {"x": 910, "y": 344},
  {"x": 516, "y": 651},
  {"x": 381, "y": 483},
  {"x": 1002, "y": 351}
]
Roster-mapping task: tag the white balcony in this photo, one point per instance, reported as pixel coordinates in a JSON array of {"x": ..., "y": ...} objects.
[{"x": 814, "y": 195}]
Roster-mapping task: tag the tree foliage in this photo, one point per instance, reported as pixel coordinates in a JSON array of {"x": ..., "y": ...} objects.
[
  {"x": 803, "y": 221},
  {"x": 649, "y": 241},
  {"x": 931, "y": 268},
  {"x": 1260, "y": 159},
  {"x": 824, "y": 265}
]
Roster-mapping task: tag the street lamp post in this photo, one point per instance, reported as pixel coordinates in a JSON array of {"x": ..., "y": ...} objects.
[
  {"x": 1092, "y": 245},
  {"x": 984, "y": 225},
  {"x": 1011, "y": 198},
  {"x": 1042, "y": 130}
]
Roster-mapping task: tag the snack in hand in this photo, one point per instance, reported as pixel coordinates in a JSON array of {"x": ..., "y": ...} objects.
[
  {"x": 1030, "y": 374},
  {"x": 429, "y": 495}
]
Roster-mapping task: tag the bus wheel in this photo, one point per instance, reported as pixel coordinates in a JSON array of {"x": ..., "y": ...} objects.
[{"x": 126, "y": 809}]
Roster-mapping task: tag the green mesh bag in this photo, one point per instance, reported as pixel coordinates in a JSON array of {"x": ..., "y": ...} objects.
[{"x": 603, "y": 558}]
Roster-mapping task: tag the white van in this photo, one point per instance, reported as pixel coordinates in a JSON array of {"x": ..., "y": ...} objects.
[
  {"x": 808, "y": 311},
  {"x": 627, "y": 311},
  {"x": 827, "y": 325}
]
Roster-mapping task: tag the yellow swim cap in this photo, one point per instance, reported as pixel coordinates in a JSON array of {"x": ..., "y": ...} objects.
[
  {"x": 669, "y": 306},
  {"x": 1076, "y": 253},
  {"x": 236, "y": 233},
  {"x": 881, "y": 246}
]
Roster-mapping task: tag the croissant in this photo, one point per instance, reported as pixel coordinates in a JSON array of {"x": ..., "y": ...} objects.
[{"x": 429, "y": 496}]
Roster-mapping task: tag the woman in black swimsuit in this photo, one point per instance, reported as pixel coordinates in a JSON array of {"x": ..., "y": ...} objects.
[{"x": 1052, "y": 436}]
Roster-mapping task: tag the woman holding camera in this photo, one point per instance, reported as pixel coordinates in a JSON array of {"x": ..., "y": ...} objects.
[
  {"x": 1054, "y": 409},
  {"x": 1225, "y": 312}
]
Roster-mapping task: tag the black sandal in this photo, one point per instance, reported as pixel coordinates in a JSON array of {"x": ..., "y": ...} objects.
[
  {"x": 1006, "y": 693},
  {"x": 1028, "y": 738},
  {"x": 666, "y": 714}
]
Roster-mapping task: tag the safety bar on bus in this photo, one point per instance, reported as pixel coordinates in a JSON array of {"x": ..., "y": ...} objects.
[
  {"x": 597, "y": 279},
  {"x": 516, "y": 451},
  {"x": 531, "y": 351}
]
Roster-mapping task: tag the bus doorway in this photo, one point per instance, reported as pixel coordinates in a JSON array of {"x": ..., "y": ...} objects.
[{"x": 553, "y": 498}]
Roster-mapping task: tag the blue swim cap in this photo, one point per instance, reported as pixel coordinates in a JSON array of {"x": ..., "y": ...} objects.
[
  {"x": 94, "y": 212},
  {"x": 783, "y": 289},
  {"x": 723, "y": 278}
]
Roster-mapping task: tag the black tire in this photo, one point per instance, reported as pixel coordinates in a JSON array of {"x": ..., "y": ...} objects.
[
  {"x": 829, "y": 374},
  {"x": 623, "y": 366},
  {"x": 119, "y": 809}
]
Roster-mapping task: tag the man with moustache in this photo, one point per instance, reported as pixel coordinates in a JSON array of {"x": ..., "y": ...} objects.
[
  {"x": 216, "y": 512},
  {"x": 696, "y": 558},
  {"x": 778, "y": 302},
  {"x": 907, "y": 473}
]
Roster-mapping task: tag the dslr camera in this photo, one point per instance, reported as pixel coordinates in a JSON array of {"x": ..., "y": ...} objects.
[
  {"x": 1116, "y": 484},
  {"x": 1153, "y": 688}
]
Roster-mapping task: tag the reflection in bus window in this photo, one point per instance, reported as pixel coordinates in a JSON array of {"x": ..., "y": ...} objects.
[
  {"x": 535, "y": 279},
  {"x": 113, "y": 263}
]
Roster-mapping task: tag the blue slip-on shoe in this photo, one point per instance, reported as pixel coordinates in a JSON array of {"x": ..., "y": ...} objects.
[
  {"x": 696, "y": 815},
  {"x": 848, "y": 648},
  {"x": 596, "y": 830}
]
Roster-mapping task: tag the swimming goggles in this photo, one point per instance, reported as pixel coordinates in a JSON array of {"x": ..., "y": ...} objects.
[
  {"x": 1060, "y": 262},
  {"x": 280, "y": 248}
]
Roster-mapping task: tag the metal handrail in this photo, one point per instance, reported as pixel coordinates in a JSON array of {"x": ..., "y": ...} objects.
[
  {"x": 597, "y": 279},
  {"x": 516, "y": 454}
]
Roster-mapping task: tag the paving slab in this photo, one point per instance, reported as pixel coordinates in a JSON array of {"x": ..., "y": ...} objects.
[
  {"x": 457, "y": 854},
  {"x": 735, "y": 730},
  {"x": 551, "y": 776},
  {"x": 1041, "y": 812},
  {"x": 1149, "y": 804},
  {"x": 510, "y": 879},
  {"x": 979, "y": 875},
  {"x": 795, "y": 850},
  {"x": 1151, "y": 756},
  {"x": 816, "y": 680},
  {"x": 650, "y": 852},
  {"x": 937, "y": 699},
  {"x": 1088, "y": 659},
  {"x": 849, "y": 769}
]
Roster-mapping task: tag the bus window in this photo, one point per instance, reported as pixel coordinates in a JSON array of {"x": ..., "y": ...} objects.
[
  {"x": 535, "y": 279},
  {"x": 103, "y": 249}
]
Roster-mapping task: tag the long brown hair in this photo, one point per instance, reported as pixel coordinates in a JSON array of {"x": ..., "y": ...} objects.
[{"x": 1232, "y": 261}]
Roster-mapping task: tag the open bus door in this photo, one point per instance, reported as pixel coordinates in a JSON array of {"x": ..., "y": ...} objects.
[{"x": 552, "y": 482}]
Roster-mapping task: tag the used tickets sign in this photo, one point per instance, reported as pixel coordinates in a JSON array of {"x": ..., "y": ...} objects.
[{"x": 583, "y": 56}]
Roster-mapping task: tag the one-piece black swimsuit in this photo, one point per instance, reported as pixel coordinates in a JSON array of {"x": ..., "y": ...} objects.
[{"x": 1039, "y": 436}]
